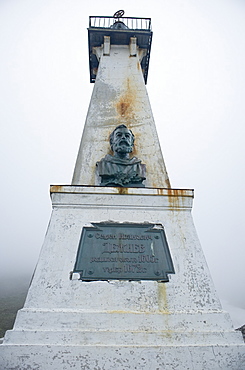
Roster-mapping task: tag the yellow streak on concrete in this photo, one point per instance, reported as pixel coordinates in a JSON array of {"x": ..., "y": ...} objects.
[{"x": 162, "y": 298}]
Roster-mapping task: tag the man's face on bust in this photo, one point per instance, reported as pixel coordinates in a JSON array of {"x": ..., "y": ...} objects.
[{"x": 122, "y": 141}]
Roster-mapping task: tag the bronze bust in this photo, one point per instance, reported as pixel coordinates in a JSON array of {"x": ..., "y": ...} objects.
[{"x": 119, "y": 169}]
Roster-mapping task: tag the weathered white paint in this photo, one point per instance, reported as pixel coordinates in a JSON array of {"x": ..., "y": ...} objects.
[
  {"x": 119, "y": 97},
  {"x": 120, "y": 324},
  {"x": 105, "y": 357},
  {"x": 70, "y": 324}
]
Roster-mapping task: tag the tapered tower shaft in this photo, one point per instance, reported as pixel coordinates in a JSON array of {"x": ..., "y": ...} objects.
[{"x": 119, "y": 97}]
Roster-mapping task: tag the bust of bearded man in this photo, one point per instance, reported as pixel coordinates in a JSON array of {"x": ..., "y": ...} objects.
[{"x": 119, "y": 169}]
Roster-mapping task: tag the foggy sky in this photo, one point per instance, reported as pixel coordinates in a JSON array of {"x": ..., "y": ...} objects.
[{"x": 196, "y": 85}]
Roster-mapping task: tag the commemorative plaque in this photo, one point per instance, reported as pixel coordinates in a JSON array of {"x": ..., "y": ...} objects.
[{"x": 123, "y": 251}]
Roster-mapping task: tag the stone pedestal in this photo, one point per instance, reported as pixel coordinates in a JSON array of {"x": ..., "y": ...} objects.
[{"x": 72, "y": 324}]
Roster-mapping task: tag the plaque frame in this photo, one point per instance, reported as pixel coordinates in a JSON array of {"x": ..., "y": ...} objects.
[{"x": 123, "y": 251}]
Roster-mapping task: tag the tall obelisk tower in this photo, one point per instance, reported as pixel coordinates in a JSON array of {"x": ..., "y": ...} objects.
[{"x": 121, "y": 282}]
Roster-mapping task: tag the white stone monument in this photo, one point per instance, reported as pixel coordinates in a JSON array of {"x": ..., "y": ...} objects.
[{"x": 74, "y": 318}]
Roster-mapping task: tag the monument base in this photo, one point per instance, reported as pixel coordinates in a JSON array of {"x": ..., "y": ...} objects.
[
  {"x": 68, "y": 323},
  {"x": 34, "y": 357}
]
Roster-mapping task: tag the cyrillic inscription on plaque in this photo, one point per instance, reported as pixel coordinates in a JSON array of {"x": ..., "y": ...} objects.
[{"x": 123, "y": 251}]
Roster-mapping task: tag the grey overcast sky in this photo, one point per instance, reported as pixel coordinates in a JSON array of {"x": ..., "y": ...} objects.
[{"x": 196, "y": 86}]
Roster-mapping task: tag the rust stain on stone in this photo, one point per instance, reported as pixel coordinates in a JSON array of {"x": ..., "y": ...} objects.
[
  {"x": 122, "y": 190},
  {"x": 173, "y": 197},
  {"x": 125, "y": 105},
  {"x": 160, "y": 191},
  {"x": 56, "y": 188},
  {"x": 126, "y": 108}
]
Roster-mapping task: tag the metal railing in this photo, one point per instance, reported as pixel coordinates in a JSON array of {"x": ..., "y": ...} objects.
[{"x": 130, "y": 22}]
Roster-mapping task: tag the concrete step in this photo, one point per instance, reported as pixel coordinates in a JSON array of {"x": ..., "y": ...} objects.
[{"x": 120, "y": 338}]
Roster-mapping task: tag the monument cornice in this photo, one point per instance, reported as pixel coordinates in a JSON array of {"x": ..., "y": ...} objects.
[
  {"x": 99, "y": 196},
  {"x": 79, "y": 189}
]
